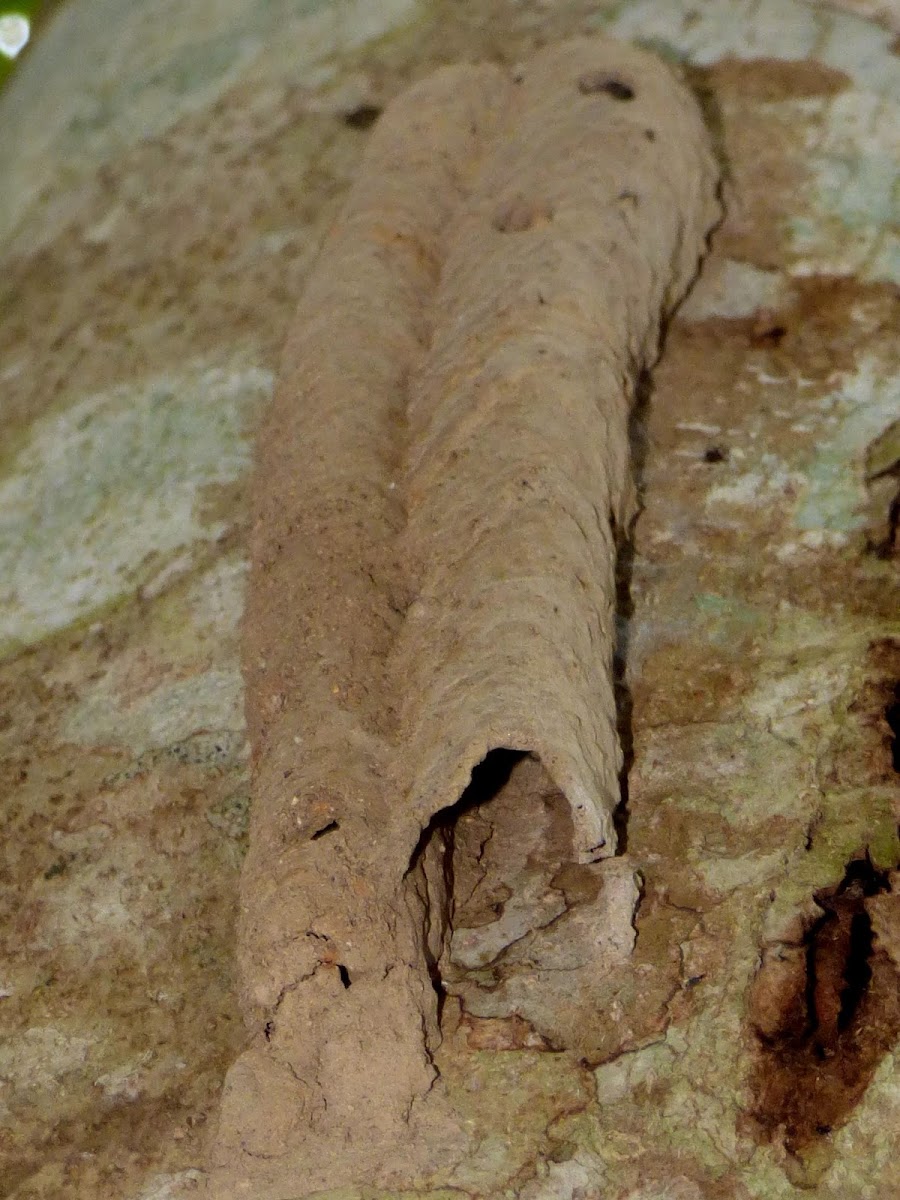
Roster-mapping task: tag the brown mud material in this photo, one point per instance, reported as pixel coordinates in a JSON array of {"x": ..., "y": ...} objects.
[{"x": 442, "y": 479}]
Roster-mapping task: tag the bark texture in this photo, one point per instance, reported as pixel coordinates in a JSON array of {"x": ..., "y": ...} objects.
[{"x": 440, "y": 484}]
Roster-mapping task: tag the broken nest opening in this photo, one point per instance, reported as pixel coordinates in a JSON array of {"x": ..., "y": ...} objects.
[{"x": 518, "y": 932}]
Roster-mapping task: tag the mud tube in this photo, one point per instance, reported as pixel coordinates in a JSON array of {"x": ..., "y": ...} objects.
[{"x": 440, "y": 483}]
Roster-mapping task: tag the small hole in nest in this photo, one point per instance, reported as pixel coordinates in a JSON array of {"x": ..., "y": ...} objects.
[
  {"x": 363, "y": 116},
  {"x": 593, "y": 82}
]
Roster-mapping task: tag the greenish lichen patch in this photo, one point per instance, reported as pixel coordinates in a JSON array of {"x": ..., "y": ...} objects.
[
  {"x": 507, "y": 1102},
  {"x": 165, "y": 62},
  {"x": 852, "y": 188},
  {"x": 857, "y": 412},
  {"x": 709, "y": 32},
  {"x": 114, "y": 479},
  {"x": 172, "y": 716}
]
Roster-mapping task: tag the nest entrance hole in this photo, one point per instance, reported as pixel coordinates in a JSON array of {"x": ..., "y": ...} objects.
[{"x": 494, "y": 868}]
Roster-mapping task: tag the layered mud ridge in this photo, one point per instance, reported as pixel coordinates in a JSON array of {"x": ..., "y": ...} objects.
[{"x": 441, "y": 484}]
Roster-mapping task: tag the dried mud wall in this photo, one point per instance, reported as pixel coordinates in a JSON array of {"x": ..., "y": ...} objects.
[{"x": 441, "y": 480}]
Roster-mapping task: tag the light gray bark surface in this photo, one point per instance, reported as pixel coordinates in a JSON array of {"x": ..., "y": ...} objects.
[{"x": 166, "y": 173}]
